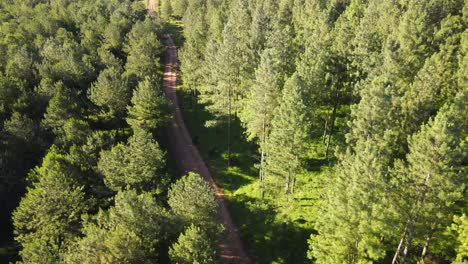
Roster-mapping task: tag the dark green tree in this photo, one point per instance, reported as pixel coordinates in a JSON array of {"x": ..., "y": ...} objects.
[
  {"x": 137, "y": 164},
  {"x": 110, "y": 92},
  {"x": 193, "y": 246},
  {"x": 192, "y": 54},
  {"x": 48, "y": 217},
  {"x": 432, "y": 185},
  {"x": 261, "y": 102},
  {"x": 64, "y": 60},
  {"x": 289, "y": 131},
  {"x": 128, "y": 232},
  {"x": 143, "y": 49},
  {"x": 192, "y": 201},
  {"x": 150, "y": 108}
]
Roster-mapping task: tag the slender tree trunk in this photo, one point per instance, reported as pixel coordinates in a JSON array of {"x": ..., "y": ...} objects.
[
  {"x": 400, "y": 245},
  {"x": 293, "y": 183},
  {"x": 412, "y": 224},
  {"x": 262, "y": 155},
  {"x": 332, "y": 119},
  {"x": 324, "y": 137},
  {"x": 229, "y": 128},
  {"x": 426, "y": 245}
]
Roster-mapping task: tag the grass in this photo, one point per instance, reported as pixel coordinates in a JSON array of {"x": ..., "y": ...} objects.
[
  {"x": 271, "y": 232},
  {"x": 267, "y": 235}
]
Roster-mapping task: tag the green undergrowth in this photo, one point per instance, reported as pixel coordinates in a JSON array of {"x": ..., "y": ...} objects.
[
  {"x": 268, "y": 235},
  {"x": 272, "y": 230}
]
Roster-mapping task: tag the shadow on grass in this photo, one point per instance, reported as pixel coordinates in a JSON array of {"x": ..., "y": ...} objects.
[
  {"x": 273, "y": 240},
  {"x": 212, "y": 143},
  {"x": 265, "y": 236}
]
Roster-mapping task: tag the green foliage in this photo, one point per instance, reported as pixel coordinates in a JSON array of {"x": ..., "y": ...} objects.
[
  {"x": 179, "y": 7},
  {"x": 137, "y": 164},
  {"x": 48, "y": 66},
  {"x": 191, "y": 55},
  {"x": 150, "y": 108},
  {"x": 433, "y": 185},
  {"x": 61, "y": 108},
  {"x": 10, "y": 91},
  {"x": 381, "y": 85},
  {"x": 374, "y": 73},
  {"x": 289, "y": 130},
  {"x": 193, "y": 246},
  {"x": 166, "y": 9},
  {"x": 461, "y": 227},
  {"x": 143, "y": 49},
  {"x": 192, "y": 201},
  {"x": 48, "y": 217},
  {"x": 262, "y": 99},
  {"x": 129, "y": 232},
  {"x": 223, "y": 87},
  {"x": 110, "y": 92},
  {"x": 64, "y": 60}
]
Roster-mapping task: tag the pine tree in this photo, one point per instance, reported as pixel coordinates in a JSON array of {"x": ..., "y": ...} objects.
[
  {"x": 150, "y": 109},
  {"x": 61, "y": 108},
  {"x": 436, "y": 82},
  {"x": 136, "y": 165},
  {"x": 10, "y": 91},
  {"x": 261, "y": 101},
  {"x": 110, "y": 92},
  {"x": 128, "y": 232},
  {"x": 192, "y": 53},
  {"x": 192, "y": 201},
  {"x": 353, "y": 216},
  {"x": 179, "y": 7},
  {"x": 433, "y": 183},
  {"x": 143, "y": 49},
  {"x": 227, "y": 77},
  {"x": 48, "y": 217},
  {"x": 193, "y": 246},
  {"x": 64, "y": 60},
  {"x": 289, "y": 132},
  {"x": 166, "y": 9}
]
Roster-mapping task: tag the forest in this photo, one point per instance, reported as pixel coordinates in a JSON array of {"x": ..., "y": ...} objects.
[{"x": 337, "y": 130}]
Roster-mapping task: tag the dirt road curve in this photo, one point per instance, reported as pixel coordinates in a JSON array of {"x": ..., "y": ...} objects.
[{"x": 188, "y": 159}]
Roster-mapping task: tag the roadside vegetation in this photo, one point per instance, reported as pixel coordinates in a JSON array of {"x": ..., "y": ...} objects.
[{"x": 334, "y": 127}]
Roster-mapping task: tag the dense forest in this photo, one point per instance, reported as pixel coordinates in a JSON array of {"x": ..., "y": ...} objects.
[
  {"x": 83, "y": 176},
  {"x": 374, "y": 92},
  {"x": 336, "y": 129}
]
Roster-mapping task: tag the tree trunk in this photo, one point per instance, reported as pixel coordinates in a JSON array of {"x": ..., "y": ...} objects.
[
  {"x": 403, "y": 236},
  {"x": 324, "y": 137},
  {"x": 426, "y": 245},
  {"x": 412, "y": 224},
  {"x": 293, "y": 183},
  {"x": 262, "y": 154},
  {"x": 332, "y": 120},
  {"x": 229, "y": 128}
]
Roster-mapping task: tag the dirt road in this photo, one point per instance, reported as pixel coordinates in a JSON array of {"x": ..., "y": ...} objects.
[
  {"x": 188, "y": 159},
  {"x": 151, "y": 6}
]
